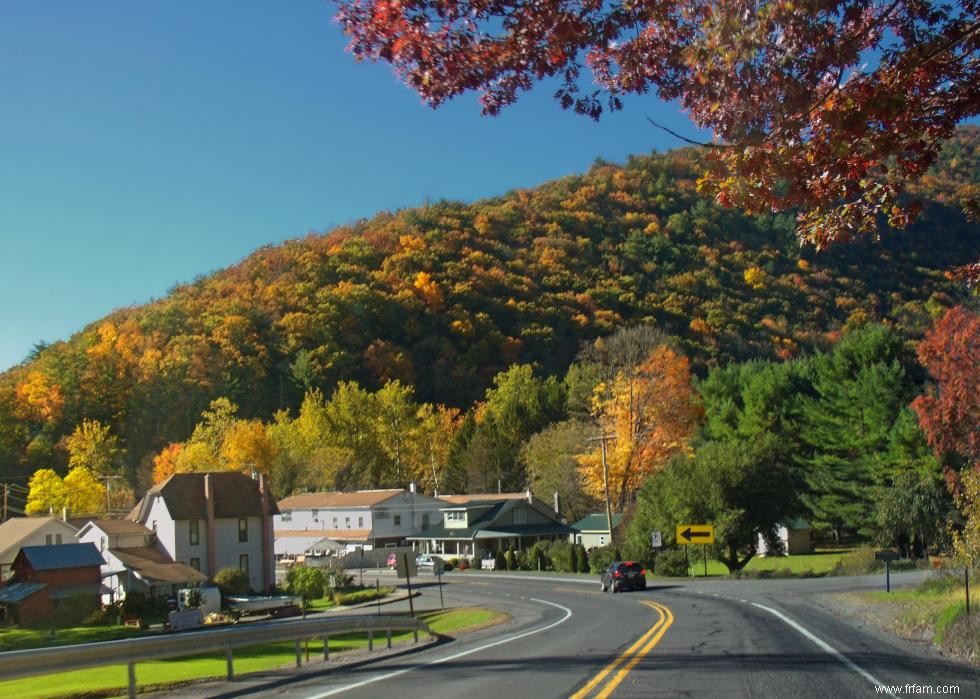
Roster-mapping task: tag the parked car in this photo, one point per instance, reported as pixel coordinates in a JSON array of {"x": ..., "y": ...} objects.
[
  {"x": 392, "y": 561},
  {"x": 425, "y": 561},
  {"x": 623, "y": 575}
]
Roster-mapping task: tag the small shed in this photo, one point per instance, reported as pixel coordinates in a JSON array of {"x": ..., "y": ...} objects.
[{"x": 795, "y": 535}]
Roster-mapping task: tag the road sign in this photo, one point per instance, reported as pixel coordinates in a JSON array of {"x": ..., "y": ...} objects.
[
  {"x": 695, "y": 534},
  {"x": 886, "y": 555},
  {"x": 656, "y": 540}
]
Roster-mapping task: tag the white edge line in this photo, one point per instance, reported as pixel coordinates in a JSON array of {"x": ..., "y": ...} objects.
[
  {"x": 439, "y": 661},
  {"x": 827, "y": 648}
]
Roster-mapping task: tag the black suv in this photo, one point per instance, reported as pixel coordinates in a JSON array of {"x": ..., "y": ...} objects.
[{"x": 623, "y": 575}]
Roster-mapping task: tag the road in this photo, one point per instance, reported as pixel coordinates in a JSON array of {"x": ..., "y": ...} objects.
[{"x": 567, "y": 639}]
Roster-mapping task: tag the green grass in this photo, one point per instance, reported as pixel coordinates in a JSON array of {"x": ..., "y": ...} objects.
[
  {"x": 817, "y": 563},
  {"x": 931, "y": 608},
  {"x": 112, "y": 680}
]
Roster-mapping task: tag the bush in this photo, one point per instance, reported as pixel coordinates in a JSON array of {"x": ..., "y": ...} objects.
[
  {"x": 537, "y": 556},
  {"x": 583, "y": 559},
  {"x": 671, "y": 563},
  {"x": 511, "y": 560},
  {"x": 134, "y": 603},
  {"x": 858, "y": 562},
  {"x": 499, "y": 561},
  {"x": 305, "y": 581},
  {"x": 231, "y": 581},
  {"x": 601, "y": 557}
]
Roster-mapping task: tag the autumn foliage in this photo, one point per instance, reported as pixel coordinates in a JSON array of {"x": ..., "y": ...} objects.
[
  {"x": 802, "y": 117},
  {"x": 648, "y": 414},
  {"x": 950, "y": 413}
]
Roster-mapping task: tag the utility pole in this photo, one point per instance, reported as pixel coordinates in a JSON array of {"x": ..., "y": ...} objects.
[{"x": 602, "y": 439}]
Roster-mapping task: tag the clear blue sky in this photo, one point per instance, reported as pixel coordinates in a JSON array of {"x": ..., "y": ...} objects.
[{"x": 145, "y": 143}]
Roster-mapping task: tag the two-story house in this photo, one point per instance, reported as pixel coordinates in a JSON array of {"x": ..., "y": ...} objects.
[
  {"x": 18, "y": 532},
  {"x": 365, "y": 519},
  {"x": 211, "y": 521},
  {"x": 481, "y": 524},
  {"x": 133, "y": 561}
]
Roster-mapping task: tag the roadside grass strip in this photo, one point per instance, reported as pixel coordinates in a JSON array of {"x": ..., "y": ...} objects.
[{"x": 630, "y": 657}]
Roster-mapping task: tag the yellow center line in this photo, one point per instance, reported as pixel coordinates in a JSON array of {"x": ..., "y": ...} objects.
[
  {"x": 666, "y": 618},
  {"x": 621, "y": 675}
]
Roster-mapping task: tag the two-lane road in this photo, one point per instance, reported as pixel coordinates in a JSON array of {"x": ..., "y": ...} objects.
[{"x": 567, "y": 639}]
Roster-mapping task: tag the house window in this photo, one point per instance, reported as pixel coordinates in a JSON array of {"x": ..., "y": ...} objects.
[
  {"x": 360, "y": 523},
  {"x": 334, "y": 522},
  {"x": 196, "y": 564},
  {"x": 48, "y": 539},
  {"x": 398, "y": 520},
  {"x": 347, "y": 522},
  {"x": 243, "y": 529},
  {"x": 243, "y": 563},
  {"x": 287, "y": 517},
  {"x": 57, "y": 539},
  {"x": 195, "y": 532},
  {"x": 316, "y": 515},
  {"x": 455, "y": 516},
  {"x": 520, "y": 516}
]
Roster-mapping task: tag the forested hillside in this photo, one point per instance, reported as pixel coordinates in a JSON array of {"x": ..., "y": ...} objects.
[{"x": 446, "y": 296}]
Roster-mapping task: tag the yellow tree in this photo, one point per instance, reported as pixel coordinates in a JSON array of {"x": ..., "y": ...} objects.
[
  {"x": 91, "y": 445},
  {"x": 47, "y": 492},
  {"x": 84, "y": 493},
  {"x": 646, "y": 414},
  {"x": 246, "y": 447}
]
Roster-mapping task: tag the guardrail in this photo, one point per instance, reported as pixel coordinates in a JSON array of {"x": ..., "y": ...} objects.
[{"x": 43, "y": 661}]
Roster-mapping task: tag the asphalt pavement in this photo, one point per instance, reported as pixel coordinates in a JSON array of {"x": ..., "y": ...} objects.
[{"x": 565, "y": 638}]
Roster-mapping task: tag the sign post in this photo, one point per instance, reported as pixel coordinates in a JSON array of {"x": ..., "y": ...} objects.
[{"x": 887, "y": 555}]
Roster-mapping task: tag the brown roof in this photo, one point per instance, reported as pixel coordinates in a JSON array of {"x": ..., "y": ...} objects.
[
  {"x": 335, "y": 534},
  {"x": 481, "y": 497},
  {"x": 235, "y": 495},
  {"x": 120, "y": 526},
  {"x": 360, "y": 498},
  {"x": 16, "y": 529},
  {"x": 155, "y": 565}
]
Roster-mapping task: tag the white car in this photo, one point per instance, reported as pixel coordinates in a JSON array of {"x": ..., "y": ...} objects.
[{"x": 425, "y": 561}]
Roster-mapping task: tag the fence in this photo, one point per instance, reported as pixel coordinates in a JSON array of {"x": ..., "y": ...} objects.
[{"x": 43, "y": 661}]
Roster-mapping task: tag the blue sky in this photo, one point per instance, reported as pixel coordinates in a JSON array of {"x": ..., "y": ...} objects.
[{"x": 145, "y": 143}]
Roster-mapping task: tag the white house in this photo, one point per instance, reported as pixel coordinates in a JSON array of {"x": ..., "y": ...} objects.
[
  {"x": 363, "y": 519},
  {"x": 18, "y": 532},
  {"x": 212, "y": 521},
  {"x": 795, "y": 535},
  {"x": 133, "y": 561}
]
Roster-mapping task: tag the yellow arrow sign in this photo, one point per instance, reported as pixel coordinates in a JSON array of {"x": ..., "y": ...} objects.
[{"x": 695, "y": 534}]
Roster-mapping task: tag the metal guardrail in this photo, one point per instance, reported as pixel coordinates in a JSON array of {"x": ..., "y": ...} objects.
[{"x": 43, "y": 661}]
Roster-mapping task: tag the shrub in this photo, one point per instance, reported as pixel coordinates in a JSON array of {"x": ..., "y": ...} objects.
[
  {"x": 499, "y": 561},
  {"x": 671, "y": 563},
  {"x": 511, "y": 560},
  {"x": 858, "y": 562},
  {"x": 134, "y": 603},
  {"x": 305, "y": 581},
  {"x": 537, "y": 556},
  {"x": 562, "y": 559},
  {"x": 231, "y": 581},
  {"x": 583, "y": 559},
  {"x": 601, "y": 557}
]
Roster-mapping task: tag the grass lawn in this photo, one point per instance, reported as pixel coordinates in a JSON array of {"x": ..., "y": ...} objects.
[
  {"x": 112, "y": 680},
  {"x": 820, "y": 562}
]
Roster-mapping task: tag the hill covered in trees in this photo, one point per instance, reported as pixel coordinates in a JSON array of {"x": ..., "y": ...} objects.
[{"x": 445, "y": 297}]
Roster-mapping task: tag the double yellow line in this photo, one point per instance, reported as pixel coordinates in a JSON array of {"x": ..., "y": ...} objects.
[{"x": 630, "y": 657}]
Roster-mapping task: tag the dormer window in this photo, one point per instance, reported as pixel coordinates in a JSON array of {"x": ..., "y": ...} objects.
[
  {"x": 243, "y": 529},
  {"x": 194, "y": 532}
]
